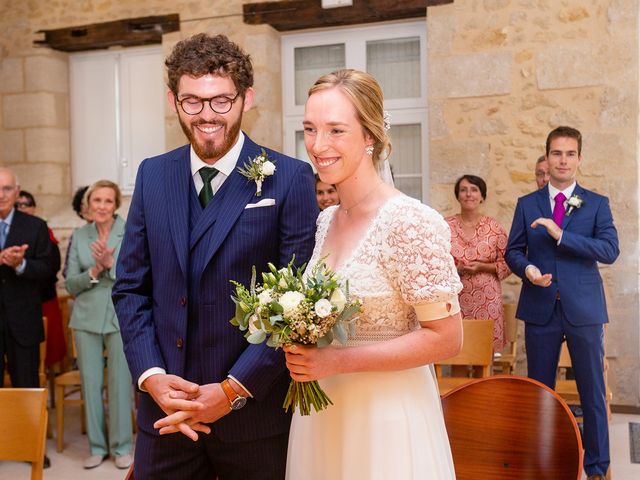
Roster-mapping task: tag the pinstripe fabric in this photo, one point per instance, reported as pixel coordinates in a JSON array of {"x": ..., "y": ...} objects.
[{"x": 171, "y": 252}]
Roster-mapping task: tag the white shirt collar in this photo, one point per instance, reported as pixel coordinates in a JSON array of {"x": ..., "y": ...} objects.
[
  {"x": 553, "y": 191},
  {"x": 225, "y": 164}
]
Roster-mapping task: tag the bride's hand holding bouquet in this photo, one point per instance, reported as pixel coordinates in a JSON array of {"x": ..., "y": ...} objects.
[{"x": 298, "y": 313}]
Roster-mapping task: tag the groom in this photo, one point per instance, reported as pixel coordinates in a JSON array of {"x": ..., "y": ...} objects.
[{"x": 195, "y": 223}]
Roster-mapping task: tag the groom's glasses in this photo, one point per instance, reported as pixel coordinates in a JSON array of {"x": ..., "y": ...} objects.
[{"x": 195, "y": 105}]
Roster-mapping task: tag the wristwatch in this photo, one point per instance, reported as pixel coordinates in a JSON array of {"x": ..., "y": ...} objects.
[{"x": 236, "y": 401}]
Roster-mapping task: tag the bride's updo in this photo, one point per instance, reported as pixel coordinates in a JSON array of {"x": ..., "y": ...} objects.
[{"x": 366, "y": 95}]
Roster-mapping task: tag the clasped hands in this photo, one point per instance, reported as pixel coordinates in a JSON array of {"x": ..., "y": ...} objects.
[
  {"x": 103, "y": 256},
  {"x": 189, "y": 406},
  {"x": 13, "y": 256},
  {"x": 532, "y": 272}
]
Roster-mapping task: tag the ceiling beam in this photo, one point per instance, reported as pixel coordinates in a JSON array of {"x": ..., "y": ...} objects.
[
  {"x": 300, "y": 14},
  {"x": 128, "y": 32}
]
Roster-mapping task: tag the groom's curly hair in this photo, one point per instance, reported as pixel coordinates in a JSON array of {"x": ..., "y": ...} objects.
[{"x": 204, "y": 54}]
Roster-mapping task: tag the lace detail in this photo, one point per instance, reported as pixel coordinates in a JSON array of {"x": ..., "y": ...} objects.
[{"x": 404, "y": 260}]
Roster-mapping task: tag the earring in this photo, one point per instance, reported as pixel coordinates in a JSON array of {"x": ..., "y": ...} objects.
[{"x": 369, "y": 150}]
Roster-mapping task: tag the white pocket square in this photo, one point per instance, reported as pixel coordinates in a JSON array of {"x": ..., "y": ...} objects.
[{"x": 265, "y": 202}]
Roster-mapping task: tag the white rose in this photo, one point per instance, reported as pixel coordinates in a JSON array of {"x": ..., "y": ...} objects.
[
  {"x": 267, "y": 168},
  {"x": 338, "y": 299},
  {"x": 265, "y": 297},
  {"x": 290, "y": 301},
  {"x": 323, "y": 308}
]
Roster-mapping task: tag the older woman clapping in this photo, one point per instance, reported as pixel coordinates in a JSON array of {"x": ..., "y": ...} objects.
[{"x": 90, "y": 277}]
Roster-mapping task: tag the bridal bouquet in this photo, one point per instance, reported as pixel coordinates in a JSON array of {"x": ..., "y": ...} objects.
[{"x": 288, "y": 307}]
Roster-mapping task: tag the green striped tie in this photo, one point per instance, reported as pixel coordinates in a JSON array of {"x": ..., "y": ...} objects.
[{"x": 206, "y": 194}]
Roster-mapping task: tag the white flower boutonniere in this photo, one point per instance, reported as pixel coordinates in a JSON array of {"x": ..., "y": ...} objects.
[
  {"x": 257, "y": 169},
  {"x": 574, "y": 202}
]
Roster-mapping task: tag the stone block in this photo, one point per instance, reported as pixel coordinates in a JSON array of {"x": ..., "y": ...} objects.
[
  {"x": 34, "y": 110},
  {"x": 48, "y": 145},
  {"x": 441, "y": 31},
  {"x": 46, "y": 74},
  {"x": 570, "y": 66},
  {"x": 448, "y": 160},
  {"x": 437, "y": 123},
  {"x": 43, "y": 178},
  {"x": 11, "y": 146},
  {"x": 11, "y": 75},
  {"x": 602, "y": 150},
  {"x": 618, "y": 109},
  {"x": 622, "y": 15},
  {"x": 476, "y": 75},
  {"x": 488, "y": 126}
]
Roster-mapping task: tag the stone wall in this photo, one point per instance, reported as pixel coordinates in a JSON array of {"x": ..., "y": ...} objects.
[{"x": 502, "y": 74}]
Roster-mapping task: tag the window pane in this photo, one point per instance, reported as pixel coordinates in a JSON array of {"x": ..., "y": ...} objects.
[
  {"x": 396, "y": 65},
  {"x": 406, "y": 158},
  {"x": 313, "y": 62}
]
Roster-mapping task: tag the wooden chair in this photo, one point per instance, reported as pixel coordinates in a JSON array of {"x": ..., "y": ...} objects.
[
  {"x": 23, "y": 416},
  {"x": 508, "y": 427},
  {"x": 129, "y": 475},
  {"x": 506, "y": 361},
  {"x": 477, "y": 351},
  {"x": 568, "y": 389}
]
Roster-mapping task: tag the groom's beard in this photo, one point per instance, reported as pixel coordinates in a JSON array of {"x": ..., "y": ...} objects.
[{"x": 207, "y": 149}]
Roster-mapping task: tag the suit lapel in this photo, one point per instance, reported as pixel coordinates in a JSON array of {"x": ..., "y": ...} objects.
[
  {"x": 544, "y": 202},
  {"x": 238, "y": 191},
  {"x": 576, "y": 191},
  {"x": 177, "y": 183}
]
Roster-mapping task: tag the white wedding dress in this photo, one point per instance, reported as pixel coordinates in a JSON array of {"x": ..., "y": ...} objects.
[{"x": 383, "y": 425}]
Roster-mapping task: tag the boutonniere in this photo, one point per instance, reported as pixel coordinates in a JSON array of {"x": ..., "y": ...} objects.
[
  {"x": 257, "y": 169},
  {"x": 574, "y": 202}
]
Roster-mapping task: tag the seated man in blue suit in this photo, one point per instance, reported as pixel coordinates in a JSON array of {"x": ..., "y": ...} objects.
[
  {"x": 558, "y": 235},
  {"x": 195, "y": 223}
]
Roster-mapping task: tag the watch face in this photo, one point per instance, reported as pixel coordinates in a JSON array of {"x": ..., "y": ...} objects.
[{"x": 238, "y": 403}]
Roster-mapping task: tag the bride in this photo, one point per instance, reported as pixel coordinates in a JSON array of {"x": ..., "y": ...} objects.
[{"x": 386, "y": 421}]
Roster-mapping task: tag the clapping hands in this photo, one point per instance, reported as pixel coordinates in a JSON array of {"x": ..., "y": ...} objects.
[
  {"x": 102, "y": 254},
  {"x": 13, "y": 256}
]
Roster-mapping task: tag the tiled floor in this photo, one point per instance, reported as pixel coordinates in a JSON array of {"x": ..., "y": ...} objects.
[{"x": 68, "y": 464}]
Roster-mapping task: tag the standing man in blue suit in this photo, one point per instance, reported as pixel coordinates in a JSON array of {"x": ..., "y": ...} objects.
[
  {"x": 558, "y": 235},
  {"x": 195, "y": 223}
]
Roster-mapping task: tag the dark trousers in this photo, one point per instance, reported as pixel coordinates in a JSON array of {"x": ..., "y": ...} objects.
[
  {"x": 176, "y": 457},
  {"x": 22, "y": 361},
  {"x": 586, "y": 348}
]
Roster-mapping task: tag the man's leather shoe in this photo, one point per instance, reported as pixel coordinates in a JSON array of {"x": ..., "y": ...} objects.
[
  {"x": 595, "y": 477},
  {"x": 47, "y": 462},
  {"x": 124, "y": 461}
]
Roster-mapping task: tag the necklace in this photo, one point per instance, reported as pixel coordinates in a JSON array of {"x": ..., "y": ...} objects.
[
  {"x": 469, "y": 224},
  {"x": 347, "y": 210}
]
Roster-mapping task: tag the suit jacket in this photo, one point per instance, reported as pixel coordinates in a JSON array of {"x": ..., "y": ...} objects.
[
  {"x": 172, "y": 292},
  {"x": 588, "y": 237},
  {"x": 20, "y": 294},
  {"x": 92, "y": 308}
]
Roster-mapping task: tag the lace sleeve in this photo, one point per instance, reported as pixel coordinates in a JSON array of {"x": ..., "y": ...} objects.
[{"x": 419, "y": 248}]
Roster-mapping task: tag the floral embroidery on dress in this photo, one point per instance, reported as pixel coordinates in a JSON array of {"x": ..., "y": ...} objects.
[{"x": 404, "y": 260}]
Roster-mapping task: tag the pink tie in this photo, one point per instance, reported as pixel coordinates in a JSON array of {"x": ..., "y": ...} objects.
[{"x": 558, "y": 210}]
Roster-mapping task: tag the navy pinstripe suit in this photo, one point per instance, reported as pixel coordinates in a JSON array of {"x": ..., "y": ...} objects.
[{"x": 172, "y": 293}]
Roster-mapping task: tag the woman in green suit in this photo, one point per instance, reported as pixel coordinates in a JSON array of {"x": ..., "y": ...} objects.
[{"x": 90, "y": 276}]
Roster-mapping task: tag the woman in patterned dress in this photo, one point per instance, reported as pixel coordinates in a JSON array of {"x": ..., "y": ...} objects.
[{"x": 478, "y": 243}]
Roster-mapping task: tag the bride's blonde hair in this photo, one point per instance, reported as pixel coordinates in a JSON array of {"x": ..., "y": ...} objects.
[{"x": 366, "y": 95}]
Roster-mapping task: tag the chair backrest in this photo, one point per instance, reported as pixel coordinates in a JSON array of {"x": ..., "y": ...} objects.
[
  {"x": 510, "y": 322},
  {"x": 511, "y": 427},
  {"x": 23, "y": 416},
  {"x": 477, "y": 346}
]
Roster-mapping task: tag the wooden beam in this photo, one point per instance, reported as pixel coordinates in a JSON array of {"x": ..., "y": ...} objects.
[
  {"x": 125, "y": 33},
  {"x": 300, "y": 14}
]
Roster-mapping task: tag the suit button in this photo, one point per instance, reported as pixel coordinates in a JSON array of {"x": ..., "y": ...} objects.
[
  {"x": 179, "y": 343},
  {"x": 183, "y": 301}
]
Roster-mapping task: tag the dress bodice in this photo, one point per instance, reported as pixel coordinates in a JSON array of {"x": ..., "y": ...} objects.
[{"x": 403, "y": 260}]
